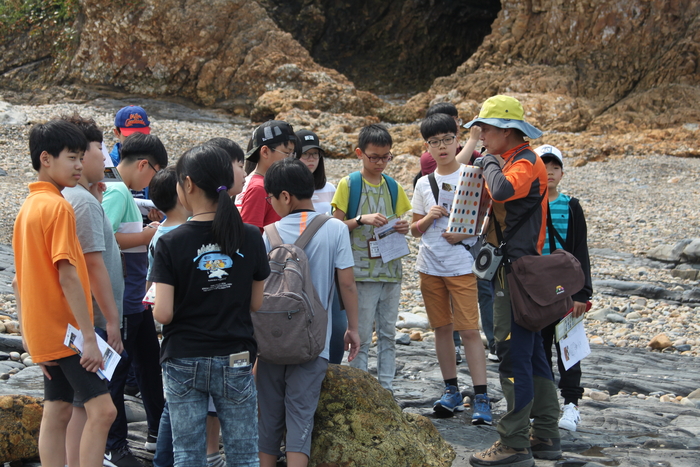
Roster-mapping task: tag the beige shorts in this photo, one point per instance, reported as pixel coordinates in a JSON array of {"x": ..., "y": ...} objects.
[{"x": 451, "y": 300}]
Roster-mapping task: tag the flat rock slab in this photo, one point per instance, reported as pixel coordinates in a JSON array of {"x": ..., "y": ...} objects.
[{"x": 625, "y": 431}]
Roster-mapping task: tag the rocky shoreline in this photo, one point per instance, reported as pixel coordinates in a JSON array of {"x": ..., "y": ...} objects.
[{"x": 633, "y": 206}]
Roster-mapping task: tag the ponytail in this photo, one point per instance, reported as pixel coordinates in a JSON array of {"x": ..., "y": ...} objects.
[{"x": 209, "y": 167}]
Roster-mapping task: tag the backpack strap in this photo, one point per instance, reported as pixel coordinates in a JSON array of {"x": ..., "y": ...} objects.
[
  {"x": 355, "y": 188},
  {"x": 393, "y": 190},
  {"x": 311, "y": 230},
  {"x": 273, "y": 235},
  {"x": 433, "y": 186}
]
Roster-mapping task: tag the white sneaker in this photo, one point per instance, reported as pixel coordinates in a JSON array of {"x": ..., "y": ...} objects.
[{"x": 570, "y": 417}]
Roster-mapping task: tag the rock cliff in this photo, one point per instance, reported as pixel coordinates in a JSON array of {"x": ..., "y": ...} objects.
[{"x": 601, "y": 77}]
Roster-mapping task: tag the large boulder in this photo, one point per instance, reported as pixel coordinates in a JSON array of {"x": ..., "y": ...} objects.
[
  {"x": 20, "y": 418},
  {"x": 358, "y": 423}
]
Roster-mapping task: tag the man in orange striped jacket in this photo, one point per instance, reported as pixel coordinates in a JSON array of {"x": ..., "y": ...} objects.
[{"x": 516, "y": 179}]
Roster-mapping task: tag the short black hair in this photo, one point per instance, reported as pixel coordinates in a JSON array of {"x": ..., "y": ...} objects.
[
  {"x": 447, "y": 108},
  {"x": 53, "y": 137},
  {"x": 139, "y": 146},
  {"x": 292, "y": 176},
  {"x": 437, "y": 124},
  {"x": 88, "y": 126},
  {"x": 374, "y": 134},
  {"x": 230, "y": 146},
  {"x": 163, "y": 189}
]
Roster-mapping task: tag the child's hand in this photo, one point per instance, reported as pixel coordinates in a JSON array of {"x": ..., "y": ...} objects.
[
  {"x": 436, "y": 212},
  {"x": 352, "y": 343},
  {"x": 402, "y": 227},
  {"x": 114, "y": 337},
  {"x": 92, "y": 357},
  {"x": 454, "y": 238},
  {"x": 155, "y": 215},
  {"x": 579, "y": 309},
  {"x": 377, "y": 219}
]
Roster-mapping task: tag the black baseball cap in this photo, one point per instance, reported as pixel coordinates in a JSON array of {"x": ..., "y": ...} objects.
[
  {"x": 270, "y": 132},
  {"x": 308, "y": 140}
]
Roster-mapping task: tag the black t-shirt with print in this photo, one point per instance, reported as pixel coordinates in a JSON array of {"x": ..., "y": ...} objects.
[{"x": 211, "y": 315}]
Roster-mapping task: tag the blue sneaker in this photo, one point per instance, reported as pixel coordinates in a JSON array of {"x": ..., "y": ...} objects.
[
  {"x": 482, "y": 410},
  {"x": 449, "y": 403}
]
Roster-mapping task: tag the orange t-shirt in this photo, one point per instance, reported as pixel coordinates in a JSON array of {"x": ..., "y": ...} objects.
[{"x": 44, "y": 233}]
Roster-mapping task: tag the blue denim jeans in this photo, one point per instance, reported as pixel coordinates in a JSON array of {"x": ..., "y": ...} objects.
[
  {"x": 164, "y": 445},
  {"x": 188, "y": 384}
]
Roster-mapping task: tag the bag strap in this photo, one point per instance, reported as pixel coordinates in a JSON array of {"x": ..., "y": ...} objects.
[
  {"x": 311, "y": 230},
  {"x": 273, "y": 236},
  {"x": 433, "y": 186},
  {"x": 553, "y": 233},
  {"x": 520, "y": 223}
]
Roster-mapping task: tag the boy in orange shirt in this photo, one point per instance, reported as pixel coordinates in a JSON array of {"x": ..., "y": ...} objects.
[{"x": 52, "y": 290}]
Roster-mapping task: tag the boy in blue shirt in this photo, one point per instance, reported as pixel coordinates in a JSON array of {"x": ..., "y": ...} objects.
[
  {"x": 291, "y": 392},
  {"x": 568, "y": 231}
]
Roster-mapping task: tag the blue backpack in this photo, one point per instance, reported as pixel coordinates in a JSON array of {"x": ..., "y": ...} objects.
[{"x": 355, "y": 187}]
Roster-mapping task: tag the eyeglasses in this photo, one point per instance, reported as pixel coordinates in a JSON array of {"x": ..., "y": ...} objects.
[
  {"x": 150, "y": 165},
  {"x": 447, "y": 140},
  {"x": 268, "y": 198},
  {"x": 376, "y": 159},
  {"x": 311, "y": 156},
  {"x": 288, "y": 154}
]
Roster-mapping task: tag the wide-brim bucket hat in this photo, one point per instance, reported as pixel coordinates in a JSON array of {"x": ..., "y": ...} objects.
[{"x": 505, "y": 112}]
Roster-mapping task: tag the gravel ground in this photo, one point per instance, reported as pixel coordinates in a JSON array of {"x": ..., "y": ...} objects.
[{"x": 631, "y": 203}]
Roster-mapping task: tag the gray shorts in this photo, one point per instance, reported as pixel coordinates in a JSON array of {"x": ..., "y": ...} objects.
[{"x": 287, "y": 398}]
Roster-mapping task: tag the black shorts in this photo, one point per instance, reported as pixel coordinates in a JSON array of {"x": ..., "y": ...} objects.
[{"x": 72, "y": 383}]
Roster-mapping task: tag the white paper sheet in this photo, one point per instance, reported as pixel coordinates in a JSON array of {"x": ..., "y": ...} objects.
[
  {"x": 74, "y": 340},
  {"x": 574, "y": 346},
  {"x": 391, "y": 244}
]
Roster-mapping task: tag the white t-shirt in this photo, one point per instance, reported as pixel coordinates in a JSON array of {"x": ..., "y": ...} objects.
[
  {"x": 435, "y": 255},
  {"x": 322, "y": 199}
]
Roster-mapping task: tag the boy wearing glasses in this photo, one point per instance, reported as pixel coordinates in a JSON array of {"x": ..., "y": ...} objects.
[
  {"x": 141, "y": 157},
  {"x": 446, "y": 280},
  {"x": 376, "y": 197},
  {"x": 272, "y": 141}
]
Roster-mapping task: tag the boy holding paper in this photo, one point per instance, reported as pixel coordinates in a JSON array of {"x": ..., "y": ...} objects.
[
  {"x": 52, "y": 289},
  {"x": 445, "y": 267},
  {"x": 366, "y": 200},
  {"x": 568, "y": 227}
]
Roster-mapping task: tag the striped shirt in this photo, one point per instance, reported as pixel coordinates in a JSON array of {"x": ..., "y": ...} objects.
[{"x": 559, "y": 209}]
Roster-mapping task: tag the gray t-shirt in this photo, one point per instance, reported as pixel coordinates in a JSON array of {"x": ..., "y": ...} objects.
[
  {"x": 95, "y": 234},
  {"x": 327, "y": 251}
]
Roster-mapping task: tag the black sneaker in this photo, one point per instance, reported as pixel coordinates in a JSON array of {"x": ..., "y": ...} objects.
[
  {"x": 131, "y": 390},
  {"x": 122, "y": 457},
  {"x": 458, "y": 355},
  {"x": 545, "y": 448},
  {"x": 151, "y": 443}
]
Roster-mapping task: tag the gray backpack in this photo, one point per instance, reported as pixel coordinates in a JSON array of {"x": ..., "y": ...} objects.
[{"x": 290, "y": 326}]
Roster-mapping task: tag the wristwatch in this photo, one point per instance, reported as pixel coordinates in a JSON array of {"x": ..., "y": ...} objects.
[{"x": 358, "y": 219}]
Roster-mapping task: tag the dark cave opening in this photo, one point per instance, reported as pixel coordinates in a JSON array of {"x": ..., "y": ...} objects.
[{"x": 387, "y": 46}]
